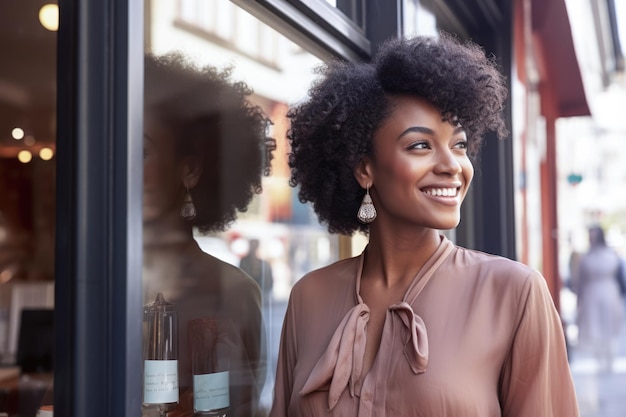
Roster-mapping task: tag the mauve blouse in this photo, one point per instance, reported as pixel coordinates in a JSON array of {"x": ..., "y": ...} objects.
[{"x": 476, "y": 335}]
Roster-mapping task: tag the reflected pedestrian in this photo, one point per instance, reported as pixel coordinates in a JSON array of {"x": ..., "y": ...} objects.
[{"x": 259, "y": 269}]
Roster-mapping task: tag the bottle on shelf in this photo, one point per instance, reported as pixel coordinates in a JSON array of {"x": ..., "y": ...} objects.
[
  {"x": 210, "y": 361},
  {"x": 160, "y": 377}
]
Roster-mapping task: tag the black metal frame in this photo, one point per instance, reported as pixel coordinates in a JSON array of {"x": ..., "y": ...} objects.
[
  {"x": 383, "y": 20},
  {"x": 323, "y": 30},
  {"x": 99, "y": 190}
]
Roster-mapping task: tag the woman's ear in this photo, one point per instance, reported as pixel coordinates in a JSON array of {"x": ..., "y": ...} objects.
[
  {"x": 191, "y": 171},
  {"x": 363, "y": 173}
]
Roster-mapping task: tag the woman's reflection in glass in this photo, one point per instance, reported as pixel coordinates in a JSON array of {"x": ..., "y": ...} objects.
[{"x": 205, "y": 153}]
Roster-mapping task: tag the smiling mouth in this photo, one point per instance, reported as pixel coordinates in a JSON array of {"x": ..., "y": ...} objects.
[{"x": 442, "y": 192}]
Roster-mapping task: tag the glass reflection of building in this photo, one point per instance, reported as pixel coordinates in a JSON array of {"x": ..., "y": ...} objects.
[{"x": 71, "y": 158}]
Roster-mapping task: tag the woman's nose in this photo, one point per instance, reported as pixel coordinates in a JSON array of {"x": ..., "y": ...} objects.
[{"x": 447, "y": 163}]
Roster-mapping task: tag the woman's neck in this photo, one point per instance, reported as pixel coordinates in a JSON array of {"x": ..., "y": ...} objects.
[
  {"x": 161, "y": 234},
  {"x": 398, "y": 257}
]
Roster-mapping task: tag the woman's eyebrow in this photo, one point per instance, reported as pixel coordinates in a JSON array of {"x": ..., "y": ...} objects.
[{"x": 417, "y": 129}]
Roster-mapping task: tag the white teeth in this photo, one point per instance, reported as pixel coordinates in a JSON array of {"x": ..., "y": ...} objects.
[{"x": 442, "y": 192}]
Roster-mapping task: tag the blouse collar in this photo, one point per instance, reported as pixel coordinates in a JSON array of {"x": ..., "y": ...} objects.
[{"x": 342, "y": 363}]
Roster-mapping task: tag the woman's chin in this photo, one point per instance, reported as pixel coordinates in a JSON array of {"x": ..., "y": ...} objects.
[{"x": 448, "y": 224}]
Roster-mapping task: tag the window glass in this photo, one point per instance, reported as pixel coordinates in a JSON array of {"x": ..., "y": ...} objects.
[
  {"x": 352, "y": 9},
  {"x": 27, "y": 202},
  {"x": 419, "y": 18},
  {"x": 428, "y": 17},
  {"x": 224, "y": 239}
]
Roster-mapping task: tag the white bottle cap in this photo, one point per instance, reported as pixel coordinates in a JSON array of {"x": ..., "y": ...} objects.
[{"x": 45, "y": 411}]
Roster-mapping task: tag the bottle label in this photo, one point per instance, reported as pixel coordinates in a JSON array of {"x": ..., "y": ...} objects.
[
  {"x": 210, "y": 391},
  {"x": 160, "y": 382}
]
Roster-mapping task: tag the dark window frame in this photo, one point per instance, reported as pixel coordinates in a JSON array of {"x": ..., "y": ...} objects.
[
  {"x": 99, "y": 192},
  {"x": 315, "y": 25}
]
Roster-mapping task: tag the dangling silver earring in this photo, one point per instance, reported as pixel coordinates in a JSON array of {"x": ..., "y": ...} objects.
[
  {"x": 188, "y": 210},
  {"x": 367, "y": 211}
]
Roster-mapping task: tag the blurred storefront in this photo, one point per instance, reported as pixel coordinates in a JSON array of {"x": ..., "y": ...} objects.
[
  {"x": 74, "y": 219},
  {"x": 561, "y": 66}
]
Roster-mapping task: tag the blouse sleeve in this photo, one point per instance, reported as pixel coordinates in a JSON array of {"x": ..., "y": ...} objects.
[
  {"x": 283, "y": 386},
  {"x": 536, "y": 379}
]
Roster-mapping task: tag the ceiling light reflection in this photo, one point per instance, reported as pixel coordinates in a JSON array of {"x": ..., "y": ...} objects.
[
  {"x": 24, "y": 156},
  {"x": 17, "y": 133},
  {"x": 49, "y": 17},
  {"x": 46, "y": 154}
]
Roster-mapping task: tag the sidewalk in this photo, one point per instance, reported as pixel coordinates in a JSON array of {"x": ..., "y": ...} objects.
[{"x": 601, "y": 394}]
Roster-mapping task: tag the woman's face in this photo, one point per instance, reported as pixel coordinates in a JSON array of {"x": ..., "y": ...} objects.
[
  {"x": 420, "y": 168},
  {"x": 163, "y": 189}
]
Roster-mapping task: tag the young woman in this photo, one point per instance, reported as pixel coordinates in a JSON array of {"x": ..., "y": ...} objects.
[
  {"x": 415, "y": 325},
  {"x": 205, "y": 150}
]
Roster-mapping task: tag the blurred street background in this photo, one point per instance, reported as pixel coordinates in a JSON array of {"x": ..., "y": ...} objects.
[
  {"x": 591, "y": 178},
  {"x": 600, "y": 393}
]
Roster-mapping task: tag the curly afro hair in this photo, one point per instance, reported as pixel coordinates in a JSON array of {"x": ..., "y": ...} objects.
[
  {"x": 332, "y": 130},
  {"x": 216, "y": 123}
]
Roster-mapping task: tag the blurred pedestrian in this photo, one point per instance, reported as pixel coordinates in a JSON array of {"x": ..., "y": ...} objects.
[
  {"x": 259, "y": 269},
  {"x": 600, "y": 309}
]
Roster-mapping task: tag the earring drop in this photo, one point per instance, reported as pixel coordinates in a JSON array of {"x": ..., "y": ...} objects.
[
  {"x": 367, "y": 211},
  {"x": 188, "y": 210}
]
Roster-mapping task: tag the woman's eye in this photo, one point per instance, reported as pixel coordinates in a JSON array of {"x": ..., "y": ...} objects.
[
  {"x": 462, "y": 144},
  {"x": 419, "y": 145},
  {"x": 145, "y": 153}
]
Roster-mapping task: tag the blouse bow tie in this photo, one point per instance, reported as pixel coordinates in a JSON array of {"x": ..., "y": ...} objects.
[
  {"x": 416, "y": 344},
  {"x": 342, "y": 362}
]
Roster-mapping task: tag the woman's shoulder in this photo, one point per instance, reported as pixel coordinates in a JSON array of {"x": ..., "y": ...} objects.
[
  {"x": 510, "y": 283},
  {"x": 228, "y": 276},
  {"x": 494, "y": 267}
]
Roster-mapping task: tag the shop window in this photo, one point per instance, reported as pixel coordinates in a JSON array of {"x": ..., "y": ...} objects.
[
  {"x": 419, "y": 18},
  {"x": 225, "y": 25},
  {"x": 428, "y": 17},
  {"x": 352, "y": 9},
  {"x": 273, "y": 238}
]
